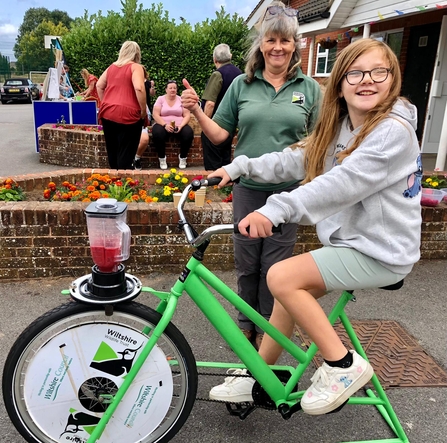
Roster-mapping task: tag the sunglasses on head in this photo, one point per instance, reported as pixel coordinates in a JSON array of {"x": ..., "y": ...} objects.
[
  {"x": 171, "y": 81},
  {"x": 275, "y": 10}
]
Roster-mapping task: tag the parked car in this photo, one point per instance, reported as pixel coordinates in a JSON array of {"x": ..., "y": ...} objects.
[{"x": 19, "y": 89}]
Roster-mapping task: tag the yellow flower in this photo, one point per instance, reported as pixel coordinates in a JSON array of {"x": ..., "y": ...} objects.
[
  {"x": 177, "y": 177},
  {"x": 158, "y": 181},
  {"x": 166, "y": 175},
  {"x": 428, "y": 180},
  {"x": 173, "y": 170},
  {"x": 184, "y": 180},
  {"x": 434, "y": 184},
  {"x": 155, "y": 199},
  {"x": 167, "y": 192}
]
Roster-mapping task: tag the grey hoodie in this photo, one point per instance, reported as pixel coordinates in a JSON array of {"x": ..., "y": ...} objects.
[{"x": 370, "y": 202}]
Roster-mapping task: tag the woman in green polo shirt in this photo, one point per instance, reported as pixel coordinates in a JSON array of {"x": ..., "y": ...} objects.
[{"x": 273, "y": 105}]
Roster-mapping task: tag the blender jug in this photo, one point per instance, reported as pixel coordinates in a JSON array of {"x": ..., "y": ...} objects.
[{"x": 108, "y": 233}]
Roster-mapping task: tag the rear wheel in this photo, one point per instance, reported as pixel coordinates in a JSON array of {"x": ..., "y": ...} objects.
[{"x": 64, "y": 368}]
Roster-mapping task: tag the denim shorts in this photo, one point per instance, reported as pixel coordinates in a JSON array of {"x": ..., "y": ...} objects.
[{"x": 349, "y": 269}]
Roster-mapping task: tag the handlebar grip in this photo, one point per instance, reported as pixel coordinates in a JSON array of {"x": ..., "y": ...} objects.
[
  {"x": 196, "y": 184},
  {"x": 274, "y": 228}
]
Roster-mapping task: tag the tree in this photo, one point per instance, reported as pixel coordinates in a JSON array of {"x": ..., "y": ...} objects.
[
  {"x": 33, "y": 54},
  {"x": 5, "y": 70},
  {"x": 34, "y": 17}
]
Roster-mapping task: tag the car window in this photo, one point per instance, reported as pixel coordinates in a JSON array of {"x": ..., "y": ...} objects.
[{"x": 15, "y": 82}]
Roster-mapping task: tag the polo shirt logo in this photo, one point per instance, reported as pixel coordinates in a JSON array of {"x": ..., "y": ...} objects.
[{"x": 298, "y": 98}]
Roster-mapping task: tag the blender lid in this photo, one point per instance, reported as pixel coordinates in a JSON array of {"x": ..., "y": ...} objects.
[{"x": 106, "y": 206}]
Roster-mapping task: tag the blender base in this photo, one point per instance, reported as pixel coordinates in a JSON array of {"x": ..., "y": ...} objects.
[{"x": 106, "y": 288}]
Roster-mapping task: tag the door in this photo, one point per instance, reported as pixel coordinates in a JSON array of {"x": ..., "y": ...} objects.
[
  {"x": 437, "y": 106},
  {"x": 421, "y": 55}
]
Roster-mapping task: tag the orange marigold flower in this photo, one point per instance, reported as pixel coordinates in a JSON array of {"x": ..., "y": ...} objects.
[
  {"x": 46, "y": 193},
  {"x": 148, "y": 200},
  {"x": 65, "y": 196},
  {"x": 105, "y": 195},
  {"x": 91, "y": 188},
  {"x": 65, "y": 184},
  {"x": 86, "y": 200},
  {"x": 8, "y": 186},
  {"x": 8, "y": 181},
  {"x": 95, "y": 183},
  {"x": 102, "y": 187},
  {"x": 192, "y": 195},
  {"x": 119, "y": 183},
  {"x": 135, "y": 197},
  {"x": 52, "y": 186}
]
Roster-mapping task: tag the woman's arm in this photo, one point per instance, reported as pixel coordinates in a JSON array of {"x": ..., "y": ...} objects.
[
  {"x": 101, "y": 84},
  {"x": 90, "y": 89},
  {"x": 138, "y": 85},
  {"x": 186, "y": 118},
  {"x": 212, "y": 130}
]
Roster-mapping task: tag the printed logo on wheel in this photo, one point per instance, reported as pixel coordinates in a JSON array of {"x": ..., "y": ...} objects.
[{"x": 69, "y": 373}]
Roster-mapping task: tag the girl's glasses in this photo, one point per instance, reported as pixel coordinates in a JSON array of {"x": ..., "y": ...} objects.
[
  {"x": 377, "y": 75},
  {"x": 275, "y": 10}
]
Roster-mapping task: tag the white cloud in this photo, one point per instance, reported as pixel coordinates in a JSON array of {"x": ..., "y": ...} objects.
[{"x": 8, "y": 29}]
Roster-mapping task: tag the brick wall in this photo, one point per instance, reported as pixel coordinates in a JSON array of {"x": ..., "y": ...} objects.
[
  {"x": 49, "y": 239},
  {"x": 81, "y": 149}
]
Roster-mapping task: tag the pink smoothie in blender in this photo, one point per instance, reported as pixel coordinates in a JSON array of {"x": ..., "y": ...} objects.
[{"x": 108, "y": 233}]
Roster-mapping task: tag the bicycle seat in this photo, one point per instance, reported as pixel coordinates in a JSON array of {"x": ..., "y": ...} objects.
[{"x": 393, "y": 287}]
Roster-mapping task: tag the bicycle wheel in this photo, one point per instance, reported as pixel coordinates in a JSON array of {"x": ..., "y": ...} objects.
[{"x": 63, "y": 366}]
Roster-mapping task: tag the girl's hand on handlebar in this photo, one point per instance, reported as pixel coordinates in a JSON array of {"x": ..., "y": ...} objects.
[
  {"x": 259, "y": 225},
  {"x": 220, "y": 173}
]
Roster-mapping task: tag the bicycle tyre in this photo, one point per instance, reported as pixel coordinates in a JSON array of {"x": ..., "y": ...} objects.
[{"x": 171, "y": 362}]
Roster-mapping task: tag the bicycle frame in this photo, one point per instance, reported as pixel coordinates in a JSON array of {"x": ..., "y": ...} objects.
[{"x": 192, "y": 281}]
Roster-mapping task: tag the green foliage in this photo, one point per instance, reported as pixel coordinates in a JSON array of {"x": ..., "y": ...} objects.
[
  {"x": 169, "y": 51},
  {"x": 33, "y": 54},
  {"x": 10, "y": 191},
  {"x": 33, "y": 18}
]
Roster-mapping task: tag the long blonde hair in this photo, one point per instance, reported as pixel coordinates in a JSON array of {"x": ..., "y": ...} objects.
[
  {"x": 129, "y": 52},
  {"x": 334, "y": 107},
  {"x": 85, "y": 74},
  {"x": 278, "y": 25}
]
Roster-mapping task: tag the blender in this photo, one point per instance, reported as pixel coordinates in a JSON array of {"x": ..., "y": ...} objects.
[{"x": 109, "y": 238}]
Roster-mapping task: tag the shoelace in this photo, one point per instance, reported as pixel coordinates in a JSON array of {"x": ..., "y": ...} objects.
[
  {"x": 229, "y": 380},
  {"x": 320, "y": 379}
]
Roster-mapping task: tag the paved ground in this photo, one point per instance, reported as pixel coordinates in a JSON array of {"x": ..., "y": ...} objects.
[{"x": 419, "y": 307}]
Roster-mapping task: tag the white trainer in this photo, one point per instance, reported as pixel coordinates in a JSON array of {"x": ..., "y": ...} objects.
[
  {"x": 163, "y": 164},
  {"x": 331, "y": 386},
  {"x": 234, "y": 389},
  {"x": 182, "y": 162}
]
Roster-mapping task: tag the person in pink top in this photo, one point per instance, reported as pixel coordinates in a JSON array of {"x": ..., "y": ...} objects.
[
  {"x": 123, "y": 106},
  {"x": 171, "y": 120}
]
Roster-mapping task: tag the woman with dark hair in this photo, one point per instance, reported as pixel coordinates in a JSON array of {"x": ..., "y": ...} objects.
[
  {"x": 123, "y": 106},
  {"x": 171, "y": 120},
  {"x": 273, "y": 105}
]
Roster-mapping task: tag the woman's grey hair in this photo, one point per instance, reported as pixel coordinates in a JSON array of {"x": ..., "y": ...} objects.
[
  {"x": 280, "y": 25},
  {"x": 222, "y": 53},
  {"x": 129, "y": 52}
]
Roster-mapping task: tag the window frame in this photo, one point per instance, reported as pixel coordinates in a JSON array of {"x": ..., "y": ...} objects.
[{"x": 325, "y": 56}]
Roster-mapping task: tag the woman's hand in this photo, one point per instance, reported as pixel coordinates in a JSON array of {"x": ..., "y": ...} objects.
[
  {"x": 260, "y": 226},
  {"x": 190, "y": 99},
  {"x": 169, "y": 129},
  {"x": 220, "y": 173}
]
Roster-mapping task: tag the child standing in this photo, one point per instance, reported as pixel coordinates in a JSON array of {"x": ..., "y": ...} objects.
[{"x": 361, "y": 174}]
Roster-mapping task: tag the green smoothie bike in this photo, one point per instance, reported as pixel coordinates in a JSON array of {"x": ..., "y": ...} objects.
[{"x": 108, "y": 369}]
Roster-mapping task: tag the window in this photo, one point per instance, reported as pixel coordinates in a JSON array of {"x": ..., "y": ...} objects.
[
  {"x": 325, "y": 60},
  {"x": 392, "y": 38}
]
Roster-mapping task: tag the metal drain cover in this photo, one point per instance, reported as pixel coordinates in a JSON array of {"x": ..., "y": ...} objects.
[{"x": 397, "y": 357}]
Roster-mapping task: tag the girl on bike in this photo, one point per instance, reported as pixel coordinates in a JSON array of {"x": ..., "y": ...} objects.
[{"x": 361, "y": 173}]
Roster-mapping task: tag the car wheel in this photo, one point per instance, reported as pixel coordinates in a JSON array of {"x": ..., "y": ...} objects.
[
  {"x": 30, "y": 99},
  {"x": 4, "y": 102}
]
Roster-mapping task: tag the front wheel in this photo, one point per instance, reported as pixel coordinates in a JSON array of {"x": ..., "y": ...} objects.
[{"x": 65, "y": 367}]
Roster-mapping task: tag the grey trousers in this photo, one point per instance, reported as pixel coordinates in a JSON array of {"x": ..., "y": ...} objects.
[{"x": 253, "y": 257}]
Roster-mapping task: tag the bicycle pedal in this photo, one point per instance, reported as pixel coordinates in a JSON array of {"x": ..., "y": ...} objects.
[
  {"x": 241, "y": 410},
  {"x": 339, "y": 408}
]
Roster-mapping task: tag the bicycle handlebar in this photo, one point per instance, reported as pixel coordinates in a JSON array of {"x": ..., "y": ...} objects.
[{"x": 197, "y": 239}]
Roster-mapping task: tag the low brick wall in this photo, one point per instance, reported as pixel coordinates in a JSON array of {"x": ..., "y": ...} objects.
[
  {"x": 49, "y": 239},
  {"x": 81, "y": 149}
]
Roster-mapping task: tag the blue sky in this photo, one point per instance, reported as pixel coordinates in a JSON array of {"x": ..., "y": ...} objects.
[{"x": 193, "y": 11}]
